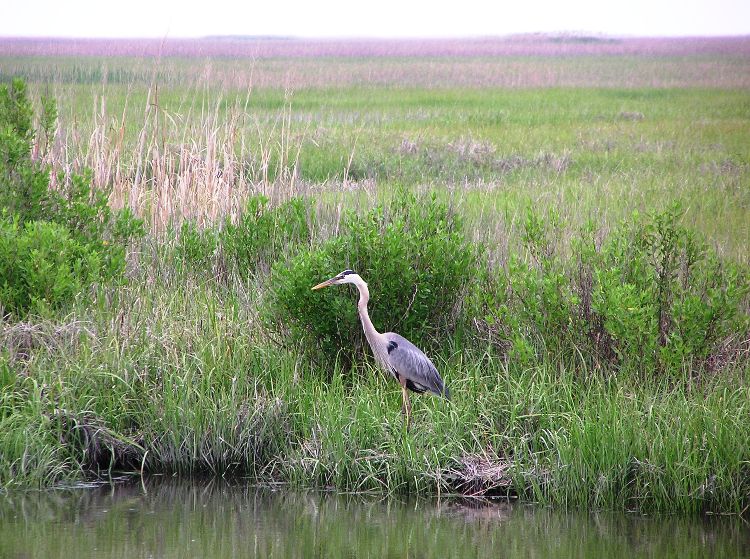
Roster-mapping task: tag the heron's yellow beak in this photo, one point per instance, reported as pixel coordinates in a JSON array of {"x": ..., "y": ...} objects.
[{"x": 324, "y": 284}]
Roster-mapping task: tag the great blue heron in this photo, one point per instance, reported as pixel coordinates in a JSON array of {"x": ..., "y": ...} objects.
[{"x": 397, "y": 355}]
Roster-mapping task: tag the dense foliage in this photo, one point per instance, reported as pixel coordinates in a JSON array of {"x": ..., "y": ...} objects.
[
  {"x": 53, "y": 242},
  {"x": 177, "y": 371},
  {"x": 418, "y": 261},
  {"x": 260, "y": 235},
  {"x": 649, "y": 296}
]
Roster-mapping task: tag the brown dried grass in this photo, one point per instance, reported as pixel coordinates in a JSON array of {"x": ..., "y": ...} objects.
[
  {"x": 479, "y": 475},
  {"x": 182, "y": 168},
  {"x": 22, "y": 339}
]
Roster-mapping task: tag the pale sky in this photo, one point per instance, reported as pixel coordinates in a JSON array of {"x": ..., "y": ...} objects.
[{"x": 384, "y": 18}]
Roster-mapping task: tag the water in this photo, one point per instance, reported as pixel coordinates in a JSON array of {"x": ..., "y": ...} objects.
[{"x": 170, "y": 518}]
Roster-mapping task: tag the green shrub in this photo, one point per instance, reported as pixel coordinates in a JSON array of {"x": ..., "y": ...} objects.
[
  {"x": 68, "y": 234},
  {"x": 650, "y": 297},
  {"x": 42, "y": 266},
  {"x": 262, "y": 232},
  {"x": 417, "y": 261},
  {"x": 260, "y": 235},
  {"x": 196, "y": 247},
  {"x": 23, "y": 184},
  {"x": 663, "y": 297}
]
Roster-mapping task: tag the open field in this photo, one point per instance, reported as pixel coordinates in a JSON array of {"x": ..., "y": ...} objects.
[
  {"x": 515, "y": 62},
  {"x": 179, "y": 369},
  {"x": 591, "y": 153}
]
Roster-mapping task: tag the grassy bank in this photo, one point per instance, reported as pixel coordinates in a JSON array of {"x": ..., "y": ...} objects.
[
  {"x": 174, "y": 374},
  {"x": 596, "y": 358}
]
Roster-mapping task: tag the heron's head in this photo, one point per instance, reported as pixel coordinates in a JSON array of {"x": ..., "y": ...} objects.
[{"x": 347, "y": 276}]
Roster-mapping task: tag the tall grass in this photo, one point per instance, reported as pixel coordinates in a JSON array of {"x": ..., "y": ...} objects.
[
  {"x": 197, "y": 153},
  {"x": 198, "y": 165},
  {"x": 175, "y": 373}
]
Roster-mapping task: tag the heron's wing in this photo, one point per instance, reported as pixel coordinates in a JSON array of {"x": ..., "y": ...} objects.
[{"x": 409, "y": 361}]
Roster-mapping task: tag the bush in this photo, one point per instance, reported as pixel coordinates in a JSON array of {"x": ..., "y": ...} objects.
[
  {"x": 42, "y": 266},
  {"x": 70, "y": 234},
  {"x": 260, "y": 234},
  {"x": 651, "y": 297},
  {"x": 196, "y": 247},
  {"x": 23, "y": 184},
  {"x": 418, "y": 262},
  {"x": 663, "y": 297}
]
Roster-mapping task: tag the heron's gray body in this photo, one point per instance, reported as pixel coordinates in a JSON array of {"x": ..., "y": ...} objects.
[
  {"x": 394, "y": 353},
  {"x": 407, "y": 360}
]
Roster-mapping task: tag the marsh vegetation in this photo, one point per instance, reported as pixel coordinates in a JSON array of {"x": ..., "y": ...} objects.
[{"x": 574, "y": 260}]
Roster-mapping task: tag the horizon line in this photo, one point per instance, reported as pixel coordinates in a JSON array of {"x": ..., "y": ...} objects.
[{"x": 594, "y": 35}]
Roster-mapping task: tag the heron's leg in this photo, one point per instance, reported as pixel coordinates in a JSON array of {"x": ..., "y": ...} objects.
[{"x": 406, "y": 408}]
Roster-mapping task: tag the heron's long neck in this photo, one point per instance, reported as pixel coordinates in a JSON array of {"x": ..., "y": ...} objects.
[
  {"x": 374, "y": 338},
  {"x": 370, "y": 332}
]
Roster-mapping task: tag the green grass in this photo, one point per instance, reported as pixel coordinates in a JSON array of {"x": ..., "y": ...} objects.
[
  {"x": 177, "y": 372},
  {"x": 578, "y": 150}
]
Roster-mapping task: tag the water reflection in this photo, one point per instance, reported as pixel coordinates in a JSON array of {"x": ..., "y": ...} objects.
[{"x": 172, "y": 518}]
